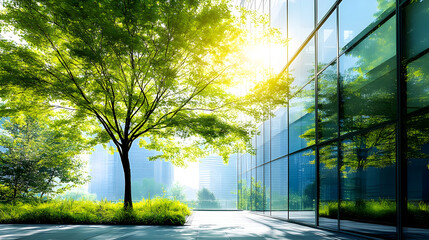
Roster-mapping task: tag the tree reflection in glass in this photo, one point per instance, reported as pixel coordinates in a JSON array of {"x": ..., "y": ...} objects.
[
  {"x": 327, "y": 103},
  {"x": 368, "y": 80},
  {"x": 368, "y": 185}
]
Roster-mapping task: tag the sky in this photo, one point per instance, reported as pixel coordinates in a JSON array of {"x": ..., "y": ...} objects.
[{"x": 188, "y": 176}]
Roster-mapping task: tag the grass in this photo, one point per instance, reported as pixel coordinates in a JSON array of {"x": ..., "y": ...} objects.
[
  {"x": 158, "y": 211},
  {"x": 377, "y": 211}
]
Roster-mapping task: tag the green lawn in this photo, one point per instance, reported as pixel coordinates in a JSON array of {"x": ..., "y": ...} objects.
[{"x": 158, "y": 211}]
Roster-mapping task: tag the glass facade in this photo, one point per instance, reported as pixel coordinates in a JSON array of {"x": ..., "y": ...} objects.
[{"x": 350, "y": 151}]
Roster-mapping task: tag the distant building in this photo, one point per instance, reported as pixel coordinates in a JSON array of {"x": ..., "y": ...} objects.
[
  {"x": 220, "y": 179},
  {"x": 107, "y": 177}
]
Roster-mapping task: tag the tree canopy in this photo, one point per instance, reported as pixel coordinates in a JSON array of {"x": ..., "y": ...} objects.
[
  {"x": 39, "y": 156},
  {"x": 155, "y": 69}
]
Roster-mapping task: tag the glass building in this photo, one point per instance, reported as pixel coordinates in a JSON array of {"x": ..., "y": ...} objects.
[
  {"x": 149, "y": 178},
  {"x": 220, "y": 179},
  {"x": 350, "y": 151}
]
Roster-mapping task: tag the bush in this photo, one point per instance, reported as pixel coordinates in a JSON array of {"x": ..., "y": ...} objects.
[{"x": 157, "y": 211}]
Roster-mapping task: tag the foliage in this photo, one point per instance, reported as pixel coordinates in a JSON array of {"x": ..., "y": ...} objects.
[
  {"x": 381, "y": 211},
  {"x": 177, "y": 192},
  {"x": 147, "y": 188},
  {"x": 251, "y": 198},
  {"x": 77, "y": 194},
  {"x": 155, "y": 69},
  {"x": 207, "y": 199},
  {"x": 40, "y": 156},
  {"x": 156, "y": 211}
]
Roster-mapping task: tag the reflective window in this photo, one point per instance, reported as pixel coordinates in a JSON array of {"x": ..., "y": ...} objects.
[
  {"x": 416, "y": 28},
  {"x": 267, "y": 185},
  {"x": 279, "y": 187},
  {"x": 302, "y": 68},
  {"x": 327, "y": 42},
  {"x": 252, "y": 162},
  {"x": 302, "y": 124},
  {"x": 418, "y": 84},
  {"x": 260, "y": 146},
  {"x": 418, "y": 178},
  {"x": 356, "y": 16},
  {"x": 267, "y": 141},
  {"x": 279, "y": 134},
  {"x": 368, "y": 185},
  {"x": 302, "y": 186},
  {"x": 278, "y": 21},
  {"x": 255, "y": 188},
  {"x": 259, "y": 189},
  {"x": 368, "y": 80},
  {"x": 248, "y": 190},
  {"x": 300, "y": 22},
  {"x": 327, "y": 103},
  {"x": 323, "y": 7},
  {"x": 328, "y": 178}
]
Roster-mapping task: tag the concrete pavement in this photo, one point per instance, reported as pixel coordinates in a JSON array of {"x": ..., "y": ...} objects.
[{"x": 202, "y": 225}]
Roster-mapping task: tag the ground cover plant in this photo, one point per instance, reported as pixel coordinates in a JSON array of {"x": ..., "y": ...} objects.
[{"x": 158, "y": 211}]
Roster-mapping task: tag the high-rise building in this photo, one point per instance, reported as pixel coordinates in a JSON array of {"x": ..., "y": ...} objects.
[
  {"x": 220, "y": 179},
  {"x": 107, "y": 177},
  {"x": 350, "y": 151}
]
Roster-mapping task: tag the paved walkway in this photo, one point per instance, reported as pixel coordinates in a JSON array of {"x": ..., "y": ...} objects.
[{"x": 201, "y": 225}]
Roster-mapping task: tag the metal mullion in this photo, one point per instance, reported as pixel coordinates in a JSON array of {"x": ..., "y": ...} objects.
[
  {"x": 288, "y": 161},
  {"x": 368, "y": 31},
  {"x": 269, "y": 64},
  {"x": 338, "y": 119},
  {"x": 316, "y": 115},
  {"x": 415, "y": 57},
  {"x": 308, "y": 39},
  {"x": 401, "y": 135},
  {"x": 288, "y": 101}
]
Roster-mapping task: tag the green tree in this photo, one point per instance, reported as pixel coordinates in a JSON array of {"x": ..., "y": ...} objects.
[
  {"x": 177, "y": 192},
  {"x": 39, "y": 156},
  {"x": 158, "y": 69},
  {"x": 207, "y": 199}
]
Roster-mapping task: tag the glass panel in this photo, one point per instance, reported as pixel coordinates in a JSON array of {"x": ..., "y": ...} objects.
[
  {"x": 328, "y": 103},
  {"x": 323, "y": 7},
  {"x": 279, "y": 132},
  {"x": 301, "y": 125},
  {"x": 279, "y": 187},
  {"x": 302, "y": 68},
  {"x": 267, "y": 130},
  {"x": 416, "y": 28},
  {"x": 418, "y": 84},
  {"x": 260, "y": 146},
  {"x": 253, "y": 160},
  {"x": 369, "y": 80},
  {"x": 267, "y": 195},
  {"x": 368, "y": 183},
  {"x": 259, "y": 189},
  {"x": 418, "y": 178},
  {"x": 300, "y": 22},
  {"x": 327, "y": 42},
  {"x": 254, "y": 190},
  {"x": 249, "y": 189},
  {"x": 278, "y": 21},
  {"x": 302, "y": 187},
  {"x": 356, "y": 16},
  {"x": 328, "y": 171}
]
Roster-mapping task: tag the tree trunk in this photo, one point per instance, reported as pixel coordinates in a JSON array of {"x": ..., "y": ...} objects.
[{"x": 128, "y": 202}]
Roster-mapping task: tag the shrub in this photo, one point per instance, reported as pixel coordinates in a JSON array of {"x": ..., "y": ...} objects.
[{"x": 158, "y": 211}]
